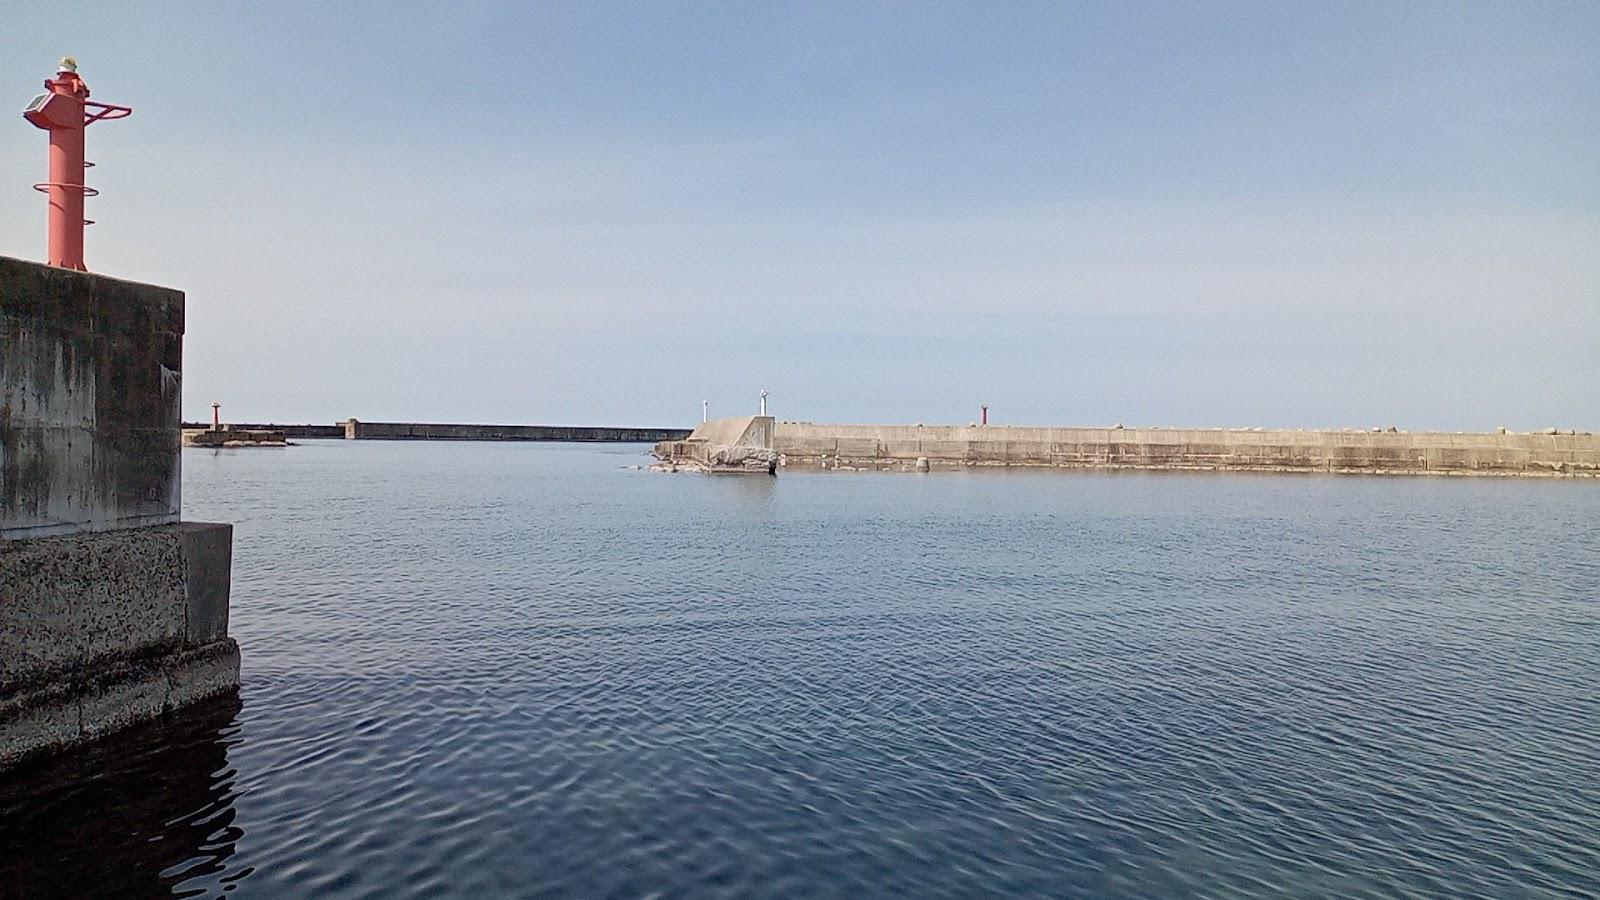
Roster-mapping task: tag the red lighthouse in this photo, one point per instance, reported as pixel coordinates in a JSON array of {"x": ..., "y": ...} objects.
[{"x": 65, "y": 111}]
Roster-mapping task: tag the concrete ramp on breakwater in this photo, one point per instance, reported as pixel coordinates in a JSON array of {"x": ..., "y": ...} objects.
[
  {"x": 908, "y": 447},
  {"x": 742, "y": 444}
]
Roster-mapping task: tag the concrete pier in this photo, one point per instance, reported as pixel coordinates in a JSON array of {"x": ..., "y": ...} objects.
[
  {"x": 356, "y": 429},
  {"x": 912, "y": 447},
  {"x": 226, "y": 435},
  {"x": 425, "y": 431},
  {"x": 112, "y": 611}
]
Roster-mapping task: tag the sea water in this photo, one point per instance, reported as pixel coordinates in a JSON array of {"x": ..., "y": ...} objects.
[{"x": 537, "y": 669}]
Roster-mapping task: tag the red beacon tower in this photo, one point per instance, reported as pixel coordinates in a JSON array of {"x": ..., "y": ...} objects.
[{"x": 65, "y": 111}]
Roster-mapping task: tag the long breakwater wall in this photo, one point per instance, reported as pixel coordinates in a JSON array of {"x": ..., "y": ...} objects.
[
  {"x": 356, "y": 429},
  {"x": 896, "y": 447}
]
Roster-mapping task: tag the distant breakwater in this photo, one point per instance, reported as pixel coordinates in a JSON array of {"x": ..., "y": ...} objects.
[
  {"x": 355, "y": 429},
  {"x": 893, "y": 447},
  {"x": 750, "y": 443}
]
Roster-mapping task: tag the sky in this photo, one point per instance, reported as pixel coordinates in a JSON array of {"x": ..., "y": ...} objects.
[{"x": 1274, "y": 214}]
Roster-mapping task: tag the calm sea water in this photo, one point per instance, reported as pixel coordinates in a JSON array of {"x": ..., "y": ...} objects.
[{"x": 517, "y": 669}]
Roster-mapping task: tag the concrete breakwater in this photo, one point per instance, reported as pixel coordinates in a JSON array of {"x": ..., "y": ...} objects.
[
  {"x": 356, "y": 429},
  {"x": 289, "y": 432},
  {"x": 112, "y": 610},
  {"x": 1215, "y": 449},
  {"x": 912, "y": 447},
  {"x": 229, "y": 436}
]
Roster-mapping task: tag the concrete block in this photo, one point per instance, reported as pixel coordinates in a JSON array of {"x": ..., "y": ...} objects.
[
  {"x": 68, "y": 602},
  {"x": 62, "y": 713},
  {"x": 36, "y": 721},
  {"x": 858, "y": 448},
  {"x": 110, "y": 611},
  {"x": 90, "y": 386},
  {"x": 138, "y": 697},
  {"x": 207, "y": 672},
  {"x": 207, "y": 552}
]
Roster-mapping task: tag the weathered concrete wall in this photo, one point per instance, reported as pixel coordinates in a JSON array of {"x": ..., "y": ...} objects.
[
  {"x": 90, "y": 386},
  {"x": 103, "y": 629},
  {"x": 111, "y": 612},
  {"x": 422, "y": 431},
  {"x": 894, "y": 446}
]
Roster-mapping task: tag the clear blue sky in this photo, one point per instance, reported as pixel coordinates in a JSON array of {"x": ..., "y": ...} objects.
[{"x": 1296, "y": 214}]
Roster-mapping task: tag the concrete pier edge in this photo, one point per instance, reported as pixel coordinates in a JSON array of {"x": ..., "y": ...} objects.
[
  {"x": 913, "y": 448},
  {"x": 69, "y": 713},
  {"x": 113, "y": 611}
]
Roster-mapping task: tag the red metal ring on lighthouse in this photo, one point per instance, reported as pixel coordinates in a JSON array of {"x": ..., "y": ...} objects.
[
  {"x": 44, "y": 187},
  {"x": 104, "y": 112}
]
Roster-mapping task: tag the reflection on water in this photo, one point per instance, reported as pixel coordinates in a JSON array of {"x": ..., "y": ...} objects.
[{"x": 132, "y": 816}]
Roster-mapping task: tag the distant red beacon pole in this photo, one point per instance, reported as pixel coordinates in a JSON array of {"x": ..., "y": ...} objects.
[{"x": 65, "y": 111}]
